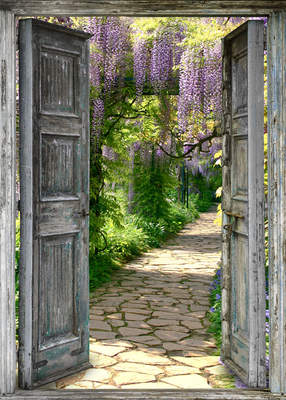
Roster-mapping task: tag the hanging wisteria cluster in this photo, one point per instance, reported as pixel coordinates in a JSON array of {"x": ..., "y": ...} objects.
[
  {"x": 140, "y": 65},
  {"x": 199, "y": 86},
  {"x": 110, "y": 45},
  {"x": 197, "y": 73},
  {"x": 157, "y": 61}
]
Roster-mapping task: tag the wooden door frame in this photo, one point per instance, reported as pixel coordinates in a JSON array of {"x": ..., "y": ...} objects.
[{"x": 276, "y": 10}]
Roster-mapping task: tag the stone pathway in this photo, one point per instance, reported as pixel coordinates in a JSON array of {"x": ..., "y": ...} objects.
[{"x": 148, "y": 326}]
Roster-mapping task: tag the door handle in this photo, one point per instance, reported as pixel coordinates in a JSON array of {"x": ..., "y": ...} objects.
[{"x": 230, "y": 214}]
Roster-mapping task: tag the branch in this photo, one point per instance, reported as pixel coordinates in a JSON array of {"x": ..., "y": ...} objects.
[
  {"x": 193, "y": 146},
  {"x": 120, "y": 116}
]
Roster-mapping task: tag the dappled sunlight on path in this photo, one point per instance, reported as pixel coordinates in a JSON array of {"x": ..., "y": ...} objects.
[{"x": 148, "y": 326}]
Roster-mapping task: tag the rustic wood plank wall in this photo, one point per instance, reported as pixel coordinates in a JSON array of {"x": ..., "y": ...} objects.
[
  {"x": 7, "y": 203},
  {"x": 277, "y": 197},
  {"x": 143, "y": 7}
]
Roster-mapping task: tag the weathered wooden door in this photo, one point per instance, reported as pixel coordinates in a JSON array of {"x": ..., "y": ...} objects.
[
  {"x": 243, "y": 296},
  {"x": 54, "y": 159}
]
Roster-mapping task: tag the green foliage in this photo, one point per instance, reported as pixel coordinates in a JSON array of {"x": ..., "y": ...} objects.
[
  {"x": 204, "y": 189},
  {"x": 152, "y": 185},
  {"x": 215, "y": 310},
  {"x": 132, "y": 236}
]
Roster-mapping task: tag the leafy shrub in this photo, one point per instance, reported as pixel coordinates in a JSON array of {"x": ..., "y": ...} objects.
[{"x": 133, "y": 235}]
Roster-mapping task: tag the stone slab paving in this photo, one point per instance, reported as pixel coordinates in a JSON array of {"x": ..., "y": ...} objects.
[{"x": 148, "y": 327}]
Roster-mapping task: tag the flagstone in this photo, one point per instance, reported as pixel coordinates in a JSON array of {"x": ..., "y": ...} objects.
[
  {"x": 144, "y": 358},
  {"x": 123, "y": 378},
  {"x": 96, "y": 317},
  {"x": 110, "y": 303},
  {"x": 198, "y": 362},
  {"x": 85, "y": 384},
  {"x": 193, "y": 381},
  {"x": 149, "y": 385},
  {"x": 198, "y": 307},
  {"x": 193, "y": 325},
  {"x": 158, "y": 322},
  {"x": 97, "y": 374},
  {"x": 96, "y": 311},
  {"x": 137, "y": 304},
  {"x": 106, "y": 350},
  {"x": 165, "y": 315},
  {"x": 115, "y": 316},
  {"x": 61, "y": 383},
  {"x": 181, "y": 370},
  {"x": 135, "y": 310},
  {"x": 135, "y": 367},
  {"x": 100, "y": 360},
  {"x": 179, "y": 308},
  {"x": 172, "y": 346},
  {"x": 177, "y": 328},
  {"x": 100, "y": 325},
  {"x": 116, "y": 322},
  {"x": 198, "y": 342},
  {"x": 153, "y": 350},
  {"x": 117, "y": 342},
  {"x": 102, "y": 335},
  {"x": 134, "y": 317},
  {"x": 171, "y": 336},
  {"x": 138, "y": 324},
  {"x": 150, "y": 321},
  {"x": 132, "y": 331},
  {"x": 145, "y": 339}
]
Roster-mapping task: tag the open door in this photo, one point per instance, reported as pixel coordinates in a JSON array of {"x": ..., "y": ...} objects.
[
  {"x": 54, "y": 174},
  {"x": 243, "y": 293}
]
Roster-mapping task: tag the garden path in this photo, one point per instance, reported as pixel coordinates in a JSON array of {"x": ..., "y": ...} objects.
[{"x": 148, "y": 327}]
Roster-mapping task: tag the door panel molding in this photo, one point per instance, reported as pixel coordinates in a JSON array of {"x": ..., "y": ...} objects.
[
  {"x": 54, "y": 89},
  {"x": 243, "y": 291}
]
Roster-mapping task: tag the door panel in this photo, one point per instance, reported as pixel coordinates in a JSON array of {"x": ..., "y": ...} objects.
[
  {"x": 243, "y": 317},
  {"x": 54, "y": 123}
]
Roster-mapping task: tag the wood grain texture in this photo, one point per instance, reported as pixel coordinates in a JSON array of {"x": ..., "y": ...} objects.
[
  {"x": 277, "y": 198},
  {"x": 136, "y": 394},
  {"x": 226, "y": 220},
  {"x": 143, "y": 7},
  {"x": 7, "y": 203},
  {"x": 54, "y": 187},
  {"x": 243, "y": 291},
  {"x": 256, "y": 257},
  {"x": 26, "y": 203}
]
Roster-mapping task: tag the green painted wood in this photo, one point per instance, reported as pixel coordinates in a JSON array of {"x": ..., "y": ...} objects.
[
  {"x": 243, "y": 204},
  {"x": 54, "y": 132}
]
